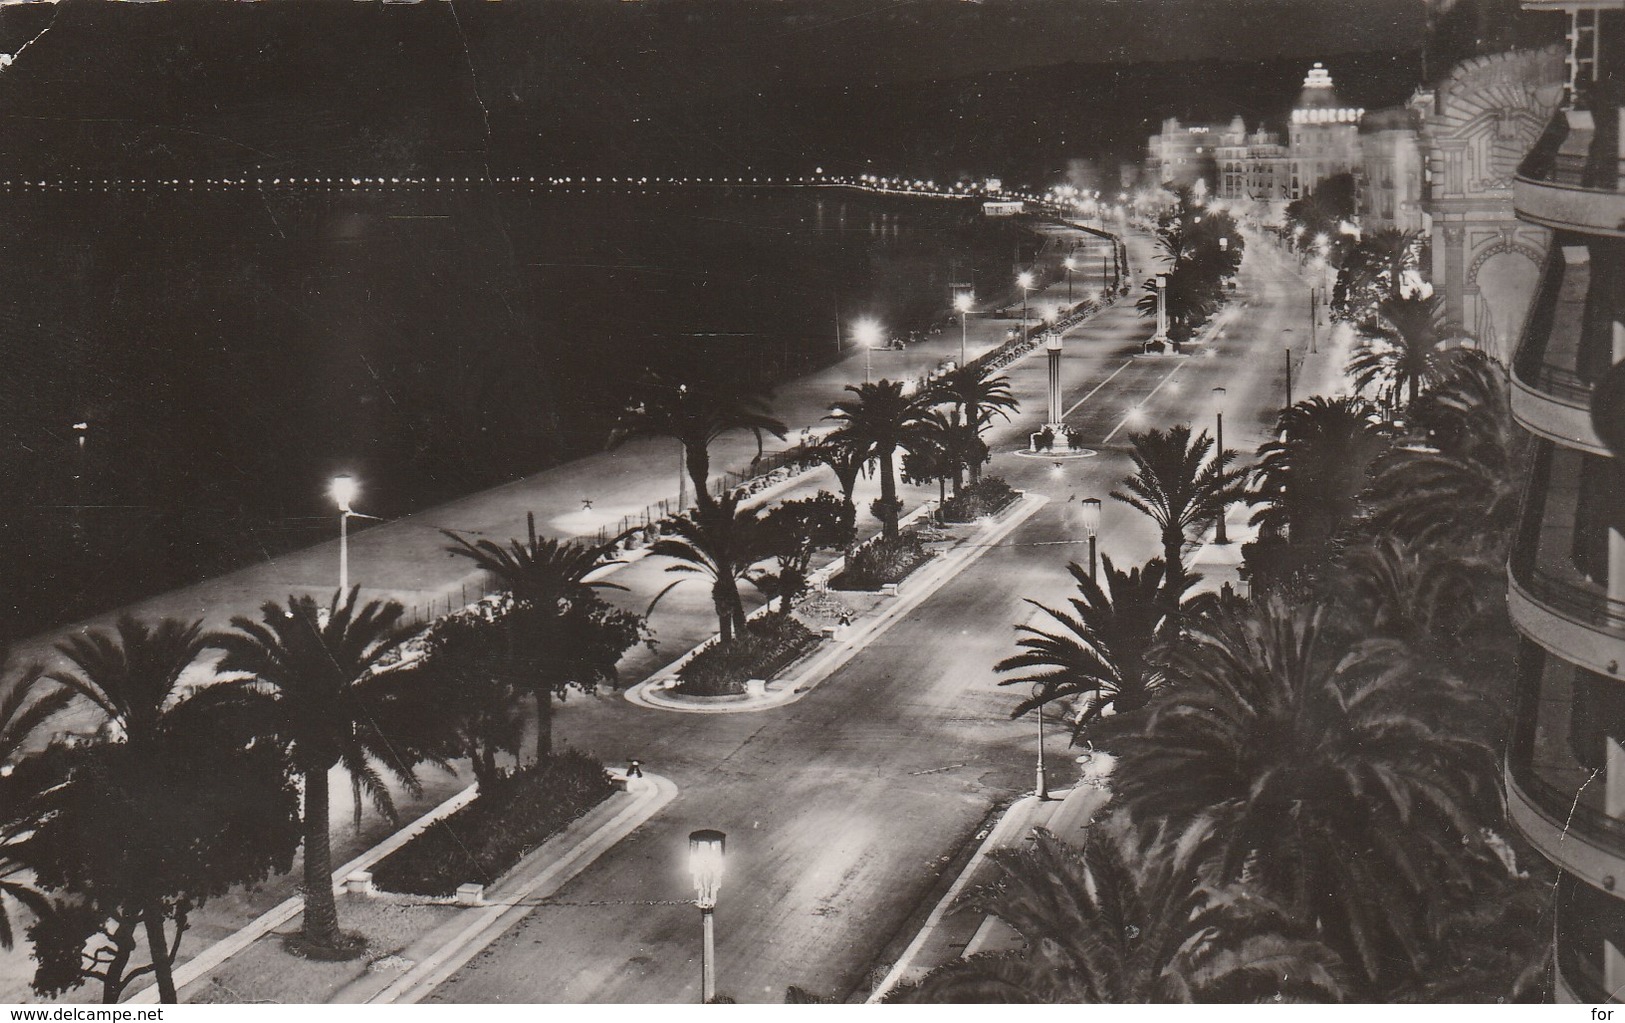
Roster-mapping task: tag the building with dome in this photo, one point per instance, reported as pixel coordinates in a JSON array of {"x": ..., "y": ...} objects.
[{"x": 1324, "y": 134}]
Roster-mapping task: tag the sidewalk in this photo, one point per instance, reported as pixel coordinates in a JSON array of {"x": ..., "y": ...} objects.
[{"x": 953, "y": 930}]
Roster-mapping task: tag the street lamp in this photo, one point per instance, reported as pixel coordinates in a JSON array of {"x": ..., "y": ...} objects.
[
  {"x": 1071, "y": 264},
  {"x": 1041, "y": 788},
  {"x": 705, "y": 852},
  {"x": 963, "y": 300},
  {"x": 1219, "y": 535},
  {"x": 1091, "y": 525},
  {"x": 1024, "y": 279},
  {"x": 343, "y": 490},
  {"x": 867, "y": 333}
]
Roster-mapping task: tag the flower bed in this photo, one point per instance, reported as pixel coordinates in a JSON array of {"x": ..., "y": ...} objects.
[
  {"x": 988, "y": 496},
  {"x": 508, "y": 819},
  {"x": 767, "y": 645},
  {"x": 882, "y": 561}
]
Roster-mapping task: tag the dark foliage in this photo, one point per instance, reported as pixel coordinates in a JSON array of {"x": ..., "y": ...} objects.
[
  {"x": 987, "y": 496},
  {"x": 882, "y": 561},
  {"x": 483, "y": 840},
  {"x": 766, "y": 646}
]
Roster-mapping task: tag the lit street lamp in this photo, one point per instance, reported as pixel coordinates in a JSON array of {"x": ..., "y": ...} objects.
[
  {"x": 1091, "y": 525},
  {"x": 343, "y": 490},
  {"x": 1024, "y": 279},
  {"x": 705, "y": 852},
  {"x": 867, "y": 333},
  {"x": 1219, "y": 535},
  {"x": 1071, "y": 263}
]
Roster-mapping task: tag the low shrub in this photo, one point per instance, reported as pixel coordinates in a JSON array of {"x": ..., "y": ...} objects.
[
  {"x": 882, "y": 561},
  {"x": 510, "y": 817},
  {"x": 986, "y": 496},
  {"x": 766, "y": 646}
]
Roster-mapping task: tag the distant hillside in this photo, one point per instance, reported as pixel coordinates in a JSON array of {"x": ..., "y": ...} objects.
[{"x": 193, "y": 88}]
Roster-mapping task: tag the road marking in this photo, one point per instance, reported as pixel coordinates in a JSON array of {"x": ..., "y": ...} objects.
[
  {"x": 1141, "y": 404},
  {"x": 1126, "y": 364}
]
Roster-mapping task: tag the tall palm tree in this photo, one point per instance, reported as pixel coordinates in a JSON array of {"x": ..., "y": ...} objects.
[
  {"x": 1375, "y": 269},
  {"x": 1409, "y": 353},
  {"x": 718, "y": 542},
  {"x": 22, "y": 712},
  {"x": 879, "y": 419},
  {"x": 1183, "y": 485},
  {"x": 1347, "y": 782},
  {"x": 312, "y": 671},
  {"x": 1128, "y": 919},
  {"x": 978, "y": 396},
  {"x": 1459, "y": 476},
  {"x": 846, "y": 461},
  {"x": 1191, "y": 296},
  {"x": 1101, "y": 650},
  {"x": 696, "y": 409},
  {"x": 1309, "y": 480}
]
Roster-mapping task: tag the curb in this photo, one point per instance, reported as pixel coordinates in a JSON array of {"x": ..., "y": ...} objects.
[
  {"x": 927, "y": 581},
  {"x": 560, "y": 859}
]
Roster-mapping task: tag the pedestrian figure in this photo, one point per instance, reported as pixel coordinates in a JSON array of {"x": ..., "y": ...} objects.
[
  {"x": 846, "y": 619},
  {"x": 586, "y": 504},
  {"x": 634, "y": 770}
]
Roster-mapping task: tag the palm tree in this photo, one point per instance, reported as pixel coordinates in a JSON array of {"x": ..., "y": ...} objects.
[
  {"x": 1346, "y": 781},
  {"x": 1375, "y": 269},
  {"x": 1127, "y": 919},
  {"x": 21, "y": 714},
  {"x": 1191, "y": 297},
  {"x": 1101, "y": 650},
  {"x": 846, "y": 461},
  {"x": 313, "y": 672},
  {"x": 1309, "y": 480},
  {"x": 878, "y": 420},
  {"x": 1459, "y": 477},
  {"x": 978, "y": 396},
  {"x": 1408, "y": 354},
  {"x": 538, "y": 571},
  {"x": 696, "y": 410},
  {"x": 1182, "y": 485},
  {"x": 718, "y": 542}
]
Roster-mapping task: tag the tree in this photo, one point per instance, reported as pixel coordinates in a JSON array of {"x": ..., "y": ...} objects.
[
  {"x": 180, "y": 805},
  {"x": 22, "y": 712},
  {"x": 720, "y": 542},
  {"x": 846, "y": 461},
  {"x": 978, "y": 396},
  {"x": 1375, "y": 269},
  {"x": 696, "y": 409},
  {"x": 538, "y": 571},
  {"x": 1128, "y": 919},
  {"x": 1101, "y": 650},
  {"x": 1322, "y": 212},
  {"x": 1191, "y": 297},
  {"x": 879, "y": 420},
  {"x": 1309, "y": 481},
  {"x": 791, "y": 534},
  {"x": 1183, "y": 485},
  {"x": 1458, "y": 478},
  {"x": 313, "y": 675},
  {"x": 467, "y": 666},
  {"x": 1406, "y": 355},
  {"x": 1346, "y": 780}
]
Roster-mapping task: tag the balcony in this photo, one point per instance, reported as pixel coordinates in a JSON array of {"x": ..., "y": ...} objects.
[
  {"x": 1567, "y": 549},
  {"x": 1570, "y": 181},
  {"x": 1562, "y": 349}
]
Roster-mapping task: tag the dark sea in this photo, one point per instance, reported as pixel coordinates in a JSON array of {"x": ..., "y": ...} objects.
[{"x": 229, "y": 349}]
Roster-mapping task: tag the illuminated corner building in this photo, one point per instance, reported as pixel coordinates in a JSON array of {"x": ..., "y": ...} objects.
[
  {"x": 1324, "y": 137},
  {"x": 1565, "y": 769}
]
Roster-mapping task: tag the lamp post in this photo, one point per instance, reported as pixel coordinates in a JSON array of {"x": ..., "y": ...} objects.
[
  {"x": 963, "y": 300},
  {"x": 1071, "y": 264},
  {"x": 343, "y": 490},
  {"x": 1091, "y": 525},
  {"x": 1024, "y": 279},
  {"x": 867, "y": 333},
  {"x": 1041, "y": 786},
  {"x": 1219, "y": 535},
  {"x": 705, "y": 852}
]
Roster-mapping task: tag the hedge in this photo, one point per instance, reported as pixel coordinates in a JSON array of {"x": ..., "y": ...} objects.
[
  {"x": 987, "y": 496},
  {"x": 767, "y": 645},
  {"x": 882, "y": 561},
  {"x": 509, "y": 818}
]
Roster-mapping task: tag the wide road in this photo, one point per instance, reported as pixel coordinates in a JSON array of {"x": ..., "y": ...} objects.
[{"x": 842, "y": 809}]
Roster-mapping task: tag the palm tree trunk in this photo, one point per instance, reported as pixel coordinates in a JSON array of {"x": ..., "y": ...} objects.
[
  {"x": 699, "y": 473},
  {"x": 158, "y": 947},
  {"x": 888, "y": 495},
  {"x": 321, "y": 911},
  {"x": 544, "y": 722},
  {"x": 1173, "y": 580},
  {"x": 123, "y": 945}
]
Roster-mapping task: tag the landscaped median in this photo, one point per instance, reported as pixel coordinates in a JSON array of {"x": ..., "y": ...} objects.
[
  {"x": 573, "y": 814},
  {"x": 843, "y": 622}
]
